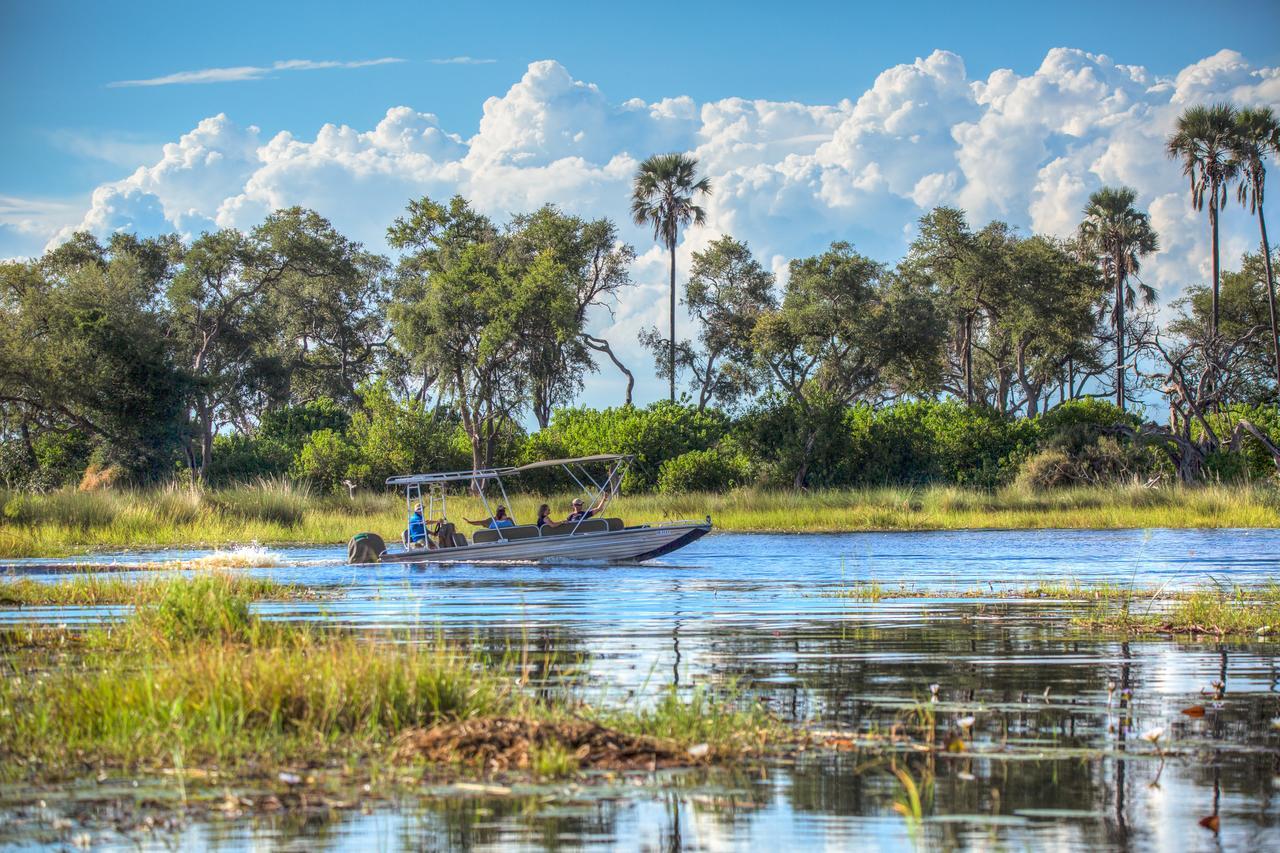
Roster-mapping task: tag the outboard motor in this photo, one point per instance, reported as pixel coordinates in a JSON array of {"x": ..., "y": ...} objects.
[{"x": 365, "y": 548}]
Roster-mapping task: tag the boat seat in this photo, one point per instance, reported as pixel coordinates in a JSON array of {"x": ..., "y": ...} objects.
[
  {"x": 485, "y": 536},
  {"x": 614, "y": 524},
  {"x": 556, "y": 531},
  {"x": 459, "y": 540},
  {"x": 523, "y": 531},
  {"x": 591, "y": 525}
]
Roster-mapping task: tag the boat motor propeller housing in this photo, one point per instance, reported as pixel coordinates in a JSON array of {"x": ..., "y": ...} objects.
[{"x": 365, "y": 548}]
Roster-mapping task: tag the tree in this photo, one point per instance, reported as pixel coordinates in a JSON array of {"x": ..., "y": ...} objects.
[
  {"x": 727, "y": 291},
  {"x": 845, "y": 331},
  {"x": 592, "y": 268},
  {"x": 84, "y": 352},
  {"x": 1118, "y": 235},
  {"x": 224, "y": 326},
  {"x": 664, "y": 194},
  {"x": 458, "y": 310},
  {"x": 1257, "y": 137},
  {"x": 1203, "y": 140}
]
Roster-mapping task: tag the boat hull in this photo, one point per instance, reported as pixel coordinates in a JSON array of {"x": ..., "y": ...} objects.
[{"x": 629, "y": 545}]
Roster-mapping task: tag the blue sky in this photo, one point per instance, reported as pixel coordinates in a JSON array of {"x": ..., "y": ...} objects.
[
  {"x": 814, "y": 121},
  {"x": 58, "y": 58}
]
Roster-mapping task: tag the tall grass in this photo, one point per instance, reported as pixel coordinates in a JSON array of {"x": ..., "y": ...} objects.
[
  {"x": 279, "y": 512},
  {"x": 194, "y": 675},
  {"x": 91, "y": 590}
]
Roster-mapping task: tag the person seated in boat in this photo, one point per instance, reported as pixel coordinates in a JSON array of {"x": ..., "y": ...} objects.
[
  {"x": 544, "y": 517},
  {"x": 416, "y": 533},
  {"x": 579, "y": 514},
  {"x": 500, "y": 519}
]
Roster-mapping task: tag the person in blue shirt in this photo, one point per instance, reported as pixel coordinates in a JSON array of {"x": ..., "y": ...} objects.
[
  {"x": 417, "y": 532},
  {"x": 500, "y": 519}
]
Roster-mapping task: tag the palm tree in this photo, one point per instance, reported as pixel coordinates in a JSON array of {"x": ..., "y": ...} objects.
[
  {"x": 665, "y": 189},
  {"x": 1118, "y": 235},
  {"x": 1202, "y": 140},
  {"x": 1258, "y": 135}
]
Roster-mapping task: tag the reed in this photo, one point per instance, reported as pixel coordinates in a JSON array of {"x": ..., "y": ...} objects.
[{"x": 94, "y": 590}]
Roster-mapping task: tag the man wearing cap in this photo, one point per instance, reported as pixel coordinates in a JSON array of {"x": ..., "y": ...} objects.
[
  {"x": 417, "y": 532},
  {"x": 579, "y": 514}
]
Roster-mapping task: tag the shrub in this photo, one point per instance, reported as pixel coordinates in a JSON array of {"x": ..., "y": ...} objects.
[
  {"x": 1251, "y": 461},
  {"x": 704, "y": 471},
  {"x": 774, "y": 433},
  {"x": 389, "y": 436},
  {"x": 324, "y": 460},
  {"x": 654, "y": 434},
  {"x": 1106, "y": 460}
]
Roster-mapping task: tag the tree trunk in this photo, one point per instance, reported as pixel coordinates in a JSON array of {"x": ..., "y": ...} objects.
[
  {"x": 1119, "y": 338},
  {"x": 1271, "y": 292},
  {"x": 1213, "y": 241},
  {"x": 671, "y": 357},
  {"x": 968, "y": 359},
  {"x": 803, "y": 473}
]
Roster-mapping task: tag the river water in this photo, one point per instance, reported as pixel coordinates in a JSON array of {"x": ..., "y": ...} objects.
[{"x": 1051, "y": 758}]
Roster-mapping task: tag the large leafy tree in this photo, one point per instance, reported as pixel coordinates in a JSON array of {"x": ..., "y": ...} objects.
[
  {"x": 1202, "y": 140},
  {"x": 846, "y": 331},
  {"x": 664, "y": 197},
  {"x": 1258, "y": 137},
  {"x": 84, "y": 351},
  {"x": 727, "y": 291},
  {"x": 1119, "y": 235},
  {"x": 457, "y": 312},
  {"x": 579, "y": 267}
]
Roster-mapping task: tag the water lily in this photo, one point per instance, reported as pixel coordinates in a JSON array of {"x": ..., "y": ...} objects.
[
  {"x": 965, "y": 722},
  {"x": 1153, "y": 735}
]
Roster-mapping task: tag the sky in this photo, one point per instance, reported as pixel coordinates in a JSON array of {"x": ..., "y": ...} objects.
[{"x": 814, "y": 121}]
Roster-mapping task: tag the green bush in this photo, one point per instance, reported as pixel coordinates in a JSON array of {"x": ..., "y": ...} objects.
[
  {"x": 1252, "y": 462},
  {"x": 712, "y": 470},
  {"x": 324, "y": 460},
  {"x": 271, "y": 449},
  {"x": 774, "y": 433},
  {"x": 653, "y": 434},
  {"x": 389, "y": 437}
]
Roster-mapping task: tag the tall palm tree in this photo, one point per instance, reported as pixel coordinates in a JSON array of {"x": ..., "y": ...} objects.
[
  {"x": 1119, "y": 234},
  {"x": 1202, "y": 140},
  {"x": 666, "y": 187},
  {"x": 1257, "y": 136}
]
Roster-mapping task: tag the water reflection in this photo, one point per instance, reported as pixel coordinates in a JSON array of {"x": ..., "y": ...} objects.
[{"x": 1055, "y": 756}]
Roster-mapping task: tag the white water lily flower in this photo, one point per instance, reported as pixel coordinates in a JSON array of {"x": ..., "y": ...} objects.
[
  {"x": 965, "y": 722},
  {"x": 1153, "y": 735}
]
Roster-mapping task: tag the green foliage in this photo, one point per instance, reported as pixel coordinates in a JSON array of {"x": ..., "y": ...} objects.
[
  {"x": 324, "y": 460},
  {"x": 713, "y": 470},
  {"x": 653, "y": 434},
  {"x": 1251, "y": 461},
  {"x": 389, "y": 436}
]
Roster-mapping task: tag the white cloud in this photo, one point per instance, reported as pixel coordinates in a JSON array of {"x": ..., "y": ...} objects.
[
  {"x": 787, "y": 177},
  {"x": 240, "y": 73},
  {"x": 461, "y": 60}
]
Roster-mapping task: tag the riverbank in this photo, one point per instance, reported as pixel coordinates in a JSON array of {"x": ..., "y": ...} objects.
[{"x": 68, "y": 522}]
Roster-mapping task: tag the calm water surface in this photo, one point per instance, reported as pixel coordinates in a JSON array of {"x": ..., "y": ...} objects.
[{"x": 762, "y": 613}]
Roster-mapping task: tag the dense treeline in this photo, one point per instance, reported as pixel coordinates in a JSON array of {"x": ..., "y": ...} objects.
[{"x": 981, "y": 357}]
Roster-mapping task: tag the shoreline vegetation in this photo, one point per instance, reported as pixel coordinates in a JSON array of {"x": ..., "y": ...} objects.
[
  {"x": 193, "y": 679},
  {"x": 69, "y": 522}
]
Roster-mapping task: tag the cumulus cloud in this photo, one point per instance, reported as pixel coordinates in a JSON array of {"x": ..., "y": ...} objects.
[
  {"x": 240, "y": 73},
  {"x": 787, "y": 177}
]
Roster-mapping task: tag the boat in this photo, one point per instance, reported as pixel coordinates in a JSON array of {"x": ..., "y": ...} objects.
[{"x": 595, "y": 539}]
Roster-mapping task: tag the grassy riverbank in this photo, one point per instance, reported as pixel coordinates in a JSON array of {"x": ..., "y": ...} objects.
[
  {"x": 69, "y": 522},
  {"x": 193, "y": 679}
]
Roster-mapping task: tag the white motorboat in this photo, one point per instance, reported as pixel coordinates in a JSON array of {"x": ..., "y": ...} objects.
[{"x": 598, "y": 538}]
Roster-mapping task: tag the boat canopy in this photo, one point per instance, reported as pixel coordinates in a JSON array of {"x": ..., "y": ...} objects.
[{"x": 499, "y": 473}]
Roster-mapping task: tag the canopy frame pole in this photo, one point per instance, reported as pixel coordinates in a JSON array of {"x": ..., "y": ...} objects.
[{"x": 507, "y": 501}]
